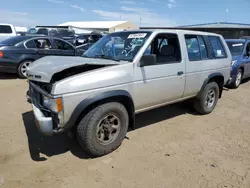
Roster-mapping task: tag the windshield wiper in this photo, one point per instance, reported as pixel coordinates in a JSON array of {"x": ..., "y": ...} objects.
[{"x": 106, "y": 57}]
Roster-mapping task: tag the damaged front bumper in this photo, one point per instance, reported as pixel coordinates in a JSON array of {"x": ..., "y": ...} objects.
[
  {"x": 47, "y": 121},
  {"x": 43, "y": 123}
]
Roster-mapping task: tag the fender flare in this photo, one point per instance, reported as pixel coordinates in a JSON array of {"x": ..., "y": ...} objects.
[
  {"x": 206, "y": 81},
  {"x": 87, "y": 102}
]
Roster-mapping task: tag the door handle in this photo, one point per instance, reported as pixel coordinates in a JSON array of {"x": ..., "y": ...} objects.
[{"x": 180, "y": 73}]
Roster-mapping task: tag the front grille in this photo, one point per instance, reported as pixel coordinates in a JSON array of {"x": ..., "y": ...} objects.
[{"x": 45, "y": 86}]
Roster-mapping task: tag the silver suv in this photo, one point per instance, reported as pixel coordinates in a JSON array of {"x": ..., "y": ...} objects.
[{"x": 124, "y": 73}]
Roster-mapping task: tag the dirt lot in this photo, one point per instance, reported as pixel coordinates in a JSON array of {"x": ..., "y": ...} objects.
[{"x": 172, "y": 147}]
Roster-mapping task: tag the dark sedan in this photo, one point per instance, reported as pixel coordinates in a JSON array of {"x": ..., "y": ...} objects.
[{"x": 17, "y": 53}]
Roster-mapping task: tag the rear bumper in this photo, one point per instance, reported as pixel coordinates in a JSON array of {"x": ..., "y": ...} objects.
[{"x": 8, "y": 69}]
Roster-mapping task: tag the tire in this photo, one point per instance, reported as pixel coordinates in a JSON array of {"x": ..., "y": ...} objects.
[
  {"x": 201, "y": 104},
  {"x": 237, "y": 81},
  {"x": 92, "y": 131},
  {"x": 21, "y": 71}
]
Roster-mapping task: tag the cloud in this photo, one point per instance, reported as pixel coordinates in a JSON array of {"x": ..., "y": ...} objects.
[
  {"x": 130, "y": 9},
  {"x": 77, "y": 7},
  {"x": 56, "y": 1},
  {"x": 145, "y": 18},
  {"x": 16, "y": 18},
  {"x": 171, "y": 4},
  {"x": 128, "y": 2}
]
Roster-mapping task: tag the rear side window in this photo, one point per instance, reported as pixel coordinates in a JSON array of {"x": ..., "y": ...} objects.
[
  {"x": 30, "y": 44},
  {"x": 217, "y": 47},
  {"x": 196, "y": 47},
  {"x": 5, "y": 29},
  {"x": 61, "y": 45}
]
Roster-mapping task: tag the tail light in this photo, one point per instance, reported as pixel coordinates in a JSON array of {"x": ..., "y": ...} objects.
[{"x": 1, "y": 54}]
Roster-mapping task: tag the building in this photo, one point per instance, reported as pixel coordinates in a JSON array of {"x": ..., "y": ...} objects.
[
  {"x": 102, "y": 26},
  {"x": 227, "y": 30}
]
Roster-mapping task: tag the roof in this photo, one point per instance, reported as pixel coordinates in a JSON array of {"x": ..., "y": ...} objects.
[
  {"x": 218, "y": 25},
  {"x": 95, "y": 24},
  {"x": 181, "y": 31},
  {"x": 235, "y": 40}
]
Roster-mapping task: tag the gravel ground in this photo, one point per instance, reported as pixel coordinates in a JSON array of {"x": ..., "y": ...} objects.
[{"x": 171, "y": 147}]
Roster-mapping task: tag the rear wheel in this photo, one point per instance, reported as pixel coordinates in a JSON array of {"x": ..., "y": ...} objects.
[
  {"x": 103, "y": 129},
  {"x": 208, "y": 100},
  {"x": 22, "y": 69}
]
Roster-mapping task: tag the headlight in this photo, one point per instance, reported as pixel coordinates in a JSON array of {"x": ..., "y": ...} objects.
[
  {"x": 46, "y": 102},
  {"x": 234, "y": 62},
  {"x": 56, "y": 105}
]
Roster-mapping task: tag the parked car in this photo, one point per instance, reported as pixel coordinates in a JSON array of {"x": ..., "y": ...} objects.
[
  {"x": 17, "y": 53},
  {"x": 88, "y": 39},
  {"x": 66, "y": 34},
  {"x": 98, "y": 95},
  {"x": 240, "y": 50},
  {"x": 6, "y": 31}
]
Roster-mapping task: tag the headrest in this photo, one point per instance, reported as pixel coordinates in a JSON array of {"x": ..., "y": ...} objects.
[{"x": 167, "y": 50}]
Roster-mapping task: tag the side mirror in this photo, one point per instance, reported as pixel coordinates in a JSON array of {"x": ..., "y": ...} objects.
[{"x": 147, "y": 60}]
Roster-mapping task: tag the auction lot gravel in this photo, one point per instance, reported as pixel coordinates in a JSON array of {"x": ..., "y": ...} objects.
[{"x": 171, "y": 147}]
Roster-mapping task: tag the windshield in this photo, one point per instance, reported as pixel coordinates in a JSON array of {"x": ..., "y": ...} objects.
[
  {"x": 65, "y": 32},
  {"x": 42, "y": 31},
  {"x": 236, "y": 48},
  {"x": 118, "y": 46},
  {"x": 14, "y": 40}
]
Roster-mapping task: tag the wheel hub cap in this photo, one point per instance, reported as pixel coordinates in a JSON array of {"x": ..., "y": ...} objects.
[
  {"x": 108, "y": 129},
  {"x": 210, "y": 99},
  {"x": 24, "y": 68},
  {"x": 238, "y": 79}
]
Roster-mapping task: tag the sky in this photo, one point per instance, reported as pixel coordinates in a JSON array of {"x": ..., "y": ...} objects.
[{"x": 167, "y": 13}]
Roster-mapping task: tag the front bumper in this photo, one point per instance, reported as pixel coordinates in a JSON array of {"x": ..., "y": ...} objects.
[
  {"x": 44, "y": 124},
  {"x": 47, "y": 123}
]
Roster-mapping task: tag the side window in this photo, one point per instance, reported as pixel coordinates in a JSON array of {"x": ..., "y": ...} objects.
[
  {"x": 5, "y": 29},
  {"x": 193, "y": 48},
  {"x": 248, "y": 50},
  {"x": 166, "y": 47},
  {"x": 196, "y": 47},
  {"x": 217, "y": 47},
  {"x": 42, "y": 43},
  {"x": 30, "y": 44},
  {"x": 61, "y": 45},
  {"x": 203, "y": 48}
]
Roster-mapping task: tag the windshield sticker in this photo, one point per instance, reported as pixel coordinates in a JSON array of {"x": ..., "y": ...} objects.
[
  {"x": 137, "y": 35},
  {"x": 240, "y": 44},
  {"x": 219, "y": 53}
]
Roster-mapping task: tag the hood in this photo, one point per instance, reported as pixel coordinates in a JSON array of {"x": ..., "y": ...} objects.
[
  {"x": 236, "y": 57},
  {"x": 43, "y": 69}
]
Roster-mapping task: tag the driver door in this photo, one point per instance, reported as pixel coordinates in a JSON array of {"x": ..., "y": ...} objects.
[
  {"x": 164, "y": 81},
  {"x": 247, "y": 60}
]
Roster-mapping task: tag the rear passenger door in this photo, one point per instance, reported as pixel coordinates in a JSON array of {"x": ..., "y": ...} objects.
[
  {"x": 205, "y": 56},
  {"x": 164, "y": 81},
  {"x": 63, "y": 48}
]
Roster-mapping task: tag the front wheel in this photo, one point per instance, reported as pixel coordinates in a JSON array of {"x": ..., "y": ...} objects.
[
  {"x": 22, "y": 69},
  {"x": 103, "y": 129},
  {"x": 237, "y": 81},
  {"x": 208, "y": 100}
]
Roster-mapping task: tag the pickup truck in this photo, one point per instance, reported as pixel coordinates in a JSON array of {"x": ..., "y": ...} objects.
[
  {"x": 97, "y": 95},
  {"x": 6, "y": 31}
]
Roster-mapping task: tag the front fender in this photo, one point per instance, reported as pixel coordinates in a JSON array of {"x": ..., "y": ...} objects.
[{"x": 84, "y": 105}]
